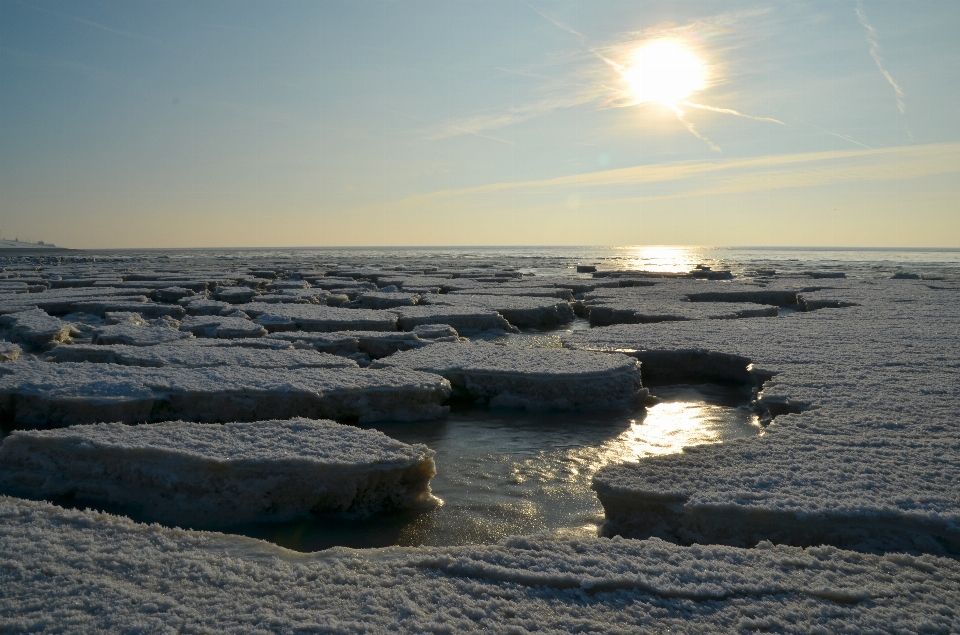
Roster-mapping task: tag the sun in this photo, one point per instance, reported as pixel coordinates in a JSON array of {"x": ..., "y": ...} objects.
[{"x": 665, "y": 72}]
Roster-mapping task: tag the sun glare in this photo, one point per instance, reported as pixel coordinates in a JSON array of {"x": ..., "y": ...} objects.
[{"x": 666, "y": 72}]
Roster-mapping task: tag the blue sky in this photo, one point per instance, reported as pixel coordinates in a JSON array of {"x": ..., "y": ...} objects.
[{"x": 165, "y": 124}]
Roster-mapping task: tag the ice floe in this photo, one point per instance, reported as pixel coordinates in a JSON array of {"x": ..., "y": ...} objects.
[
  {"x": 133, "y": 334},
  {"x": 43, "y": 394},
  {"x": 467, "y": 320},
  {"x": 530, "y": 378},
  {"x": 37, "y": 329},
  {"x": 197, "y": 356},
  {"x": 202, "y": 475},
  {"x": 311, "y": 317},
  {"x": 221, "y": 327}
]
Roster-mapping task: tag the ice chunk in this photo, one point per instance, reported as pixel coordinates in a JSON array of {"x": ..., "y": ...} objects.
[
  {"x": 465, "y": 319},
  {"x": 196, "y": 356},
  {"x": 437, "y": 332},
  {"x": 37, "y": 329},
  {"x": 134, "y": 335},
  {"x": 235, "y": 295},
  {"x": 205, "y": 306},
  {"x": 8, "y": 352},
  {"x": 221, "y": 327},
  {"x": 173, "y": 294},
  {"x": 385, "y": 300},
  {"x": 518, "y": 310},
  {"x": 202, "y": 475},
  {"x": 309, "y": 317},
  {"x": 41, "y": 394},
  {"x": 334, "y": 343},
  {"x": 530, "y": 377}
]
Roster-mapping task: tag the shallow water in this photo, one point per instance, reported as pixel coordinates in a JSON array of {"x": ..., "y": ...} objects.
[{"x": 504, "y": 472}]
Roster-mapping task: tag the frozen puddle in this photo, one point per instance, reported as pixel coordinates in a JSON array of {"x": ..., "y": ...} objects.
[{"x": 504, "y": 472}]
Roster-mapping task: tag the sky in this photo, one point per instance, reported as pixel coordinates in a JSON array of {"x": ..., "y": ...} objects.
[{"x": 492, "y": 122}]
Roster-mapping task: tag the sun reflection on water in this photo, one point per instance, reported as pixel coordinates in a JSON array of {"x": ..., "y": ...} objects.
[{"x": 662, "y": 259}]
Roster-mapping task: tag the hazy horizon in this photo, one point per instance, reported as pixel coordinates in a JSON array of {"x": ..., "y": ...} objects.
[{"x": 468, "y": 124}]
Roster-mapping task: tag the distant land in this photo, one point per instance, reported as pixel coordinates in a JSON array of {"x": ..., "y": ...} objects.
[{"x": 19, "y": 246}]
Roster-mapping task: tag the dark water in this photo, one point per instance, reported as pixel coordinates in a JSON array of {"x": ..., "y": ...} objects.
[{"x": 504, "y": 472}]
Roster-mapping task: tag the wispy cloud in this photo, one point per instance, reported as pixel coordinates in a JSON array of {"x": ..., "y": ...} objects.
[
  {"x": 478, "y": 124},
  {"x": 873, "y": 38},
  {"x": 90, "y": 23},
  {"x": 703, "y": 178}
]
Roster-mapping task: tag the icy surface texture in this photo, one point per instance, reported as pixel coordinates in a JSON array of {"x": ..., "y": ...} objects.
[
  {"x": 132, "y": 334},
  {"x": 37, "y": 329},
  {"x": 9, "y": 352},
  {"x": 310, "y": 317},
  {"x": 863, "y": 453},
  {"x": 201, "y": 475},
  {"x": 381, "y": 300},
  {"x": 221, "y": 327},
  {"x": 43, "y": 394},
  {"x": 518, "y": 310},
  {"x": 531, "y": 377},
  {"x": 80, "y": 572},
  {"x": 197, "y": 356},
  {"x": 465, "y": 319}
]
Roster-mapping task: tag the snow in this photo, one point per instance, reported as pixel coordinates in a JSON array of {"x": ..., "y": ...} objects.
[
  {"x": 205, "y": 306},
  {"x": 42, "y": 394},
  {"x": 221, "y": 327},
  {"x": 310, "y": 317},
  {"x": 201, "y": 475},
  {"x": 529, "y": 377},
  {"x": 334, "y": 343},
  {"x": 862, "y": 450},
  {"x": 82, "y": 571},
  {"x": 465, "y": 319},
  {"x": 196, "y": 356},
  {"x": 135, "y": 335},
  {"x": 37, "y": 329}
]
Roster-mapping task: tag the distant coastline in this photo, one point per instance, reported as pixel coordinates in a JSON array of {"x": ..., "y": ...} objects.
[{"x": 19, "y": 247}]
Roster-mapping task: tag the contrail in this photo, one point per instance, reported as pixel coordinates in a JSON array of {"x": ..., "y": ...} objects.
[
  {"x": 728, "y": 111},
  {"x": 555, "y": 23},
  {"x": 873, "y": 38},
  {"x": 839, "y": 136},
  {"x": 679, "y": 113}
]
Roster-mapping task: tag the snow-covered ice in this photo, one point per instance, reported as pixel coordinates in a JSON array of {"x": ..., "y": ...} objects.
[
  {"x": 9, "y": 352},
  {"x": 202, "y": 475},
  {"x": 44, "y": 394},
  {"x": 82, "y": 571},
  {"x": 132, "y": 334},
  {"x": 530, "y": 378},
  {"x": 466, "y": 319},
  {"x": 518, "y": 310},
  {"x": 221, "y": 327},
  {"x": 863, "y": 453},
  {"x": 37, "y": 329},
  {"x": 197, "y": 356},
  {"x": 314, "y": 317}
]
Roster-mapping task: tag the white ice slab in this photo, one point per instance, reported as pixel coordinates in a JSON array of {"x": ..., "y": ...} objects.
[
  {"x": 530, "y": 377},
  {"x": 465, "y": 319},
  {"x": 382, "y": 300},
  {"x": 519, "y": 310},
  {"x": 310, "y": 317},
  {"x": 221, "y": 327},
  {"x": 206, "y": 306},
  {"x": 37, "y": 329},
  {"x": 135, "y": 335},
  {"x": 197, "y": 356},
  {"x": 42, "y": 394},
  {"x": 202, "y": 475}
]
